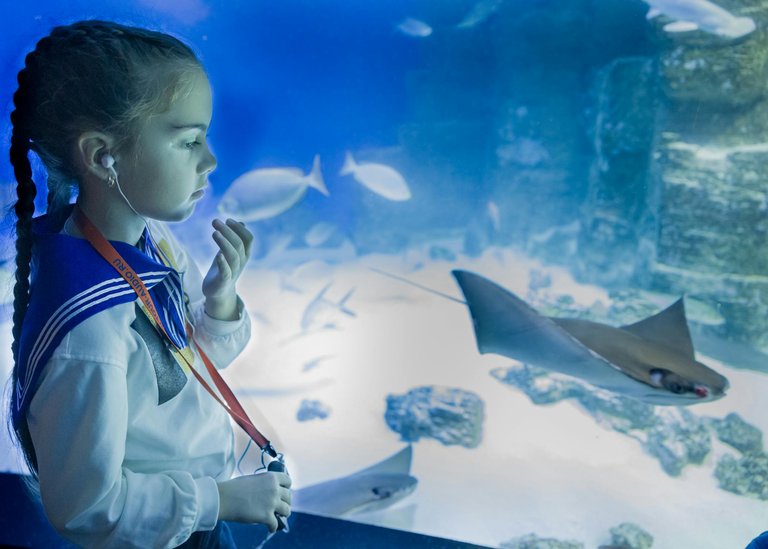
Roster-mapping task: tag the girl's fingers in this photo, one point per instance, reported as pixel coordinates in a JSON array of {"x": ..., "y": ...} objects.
[
  {"x": 283, "y": 509},
  {"x": 243, "y": 233},
  {"x": 224, "y": 269},
  {"x": 229, "y": 252},
  {"x": 235, "y": 234},
  {"x": 284, "y": 479}
]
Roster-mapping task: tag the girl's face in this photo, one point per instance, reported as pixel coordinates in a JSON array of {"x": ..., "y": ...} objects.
[{"x": 165, "y": 174}]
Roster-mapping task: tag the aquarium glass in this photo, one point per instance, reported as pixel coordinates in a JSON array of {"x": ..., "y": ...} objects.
[{"x": 462, "y": 211}]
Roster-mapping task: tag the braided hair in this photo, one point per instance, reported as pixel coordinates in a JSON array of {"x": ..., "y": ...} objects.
[{"x": 89, "y": 75}]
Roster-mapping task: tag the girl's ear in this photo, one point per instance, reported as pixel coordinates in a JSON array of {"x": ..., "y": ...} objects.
[{"x": 91, "y": 147}]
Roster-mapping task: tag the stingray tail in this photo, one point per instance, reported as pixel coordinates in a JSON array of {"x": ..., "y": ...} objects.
[{"x": 417, "y": 285}]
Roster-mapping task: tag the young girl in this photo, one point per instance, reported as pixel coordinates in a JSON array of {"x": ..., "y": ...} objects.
[{"x": 129, "y": 449}]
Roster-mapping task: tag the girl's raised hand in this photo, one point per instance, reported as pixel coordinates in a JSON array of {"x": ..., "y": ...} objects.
[{"x": 234, "y": 241}]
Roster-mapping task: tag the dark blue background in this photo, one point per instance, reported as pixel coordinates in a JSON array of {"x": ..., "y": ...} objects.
[{"x": 290, "y": 79}]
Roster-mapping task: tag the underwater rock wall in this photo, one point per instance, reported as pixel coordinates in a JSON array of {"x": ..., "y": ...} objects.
[
  {"x": 626, "y": 99},
  {"x": 708, "y": 185},
  {"x": 678, "y": 191},
  {"x": 589, "y": 135},
  {"x": 498, "y": 111}
]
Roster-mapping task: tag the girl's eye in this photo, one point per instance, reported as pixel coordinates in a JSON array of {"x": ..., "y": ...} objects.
[{"x": 192, "y": 144}]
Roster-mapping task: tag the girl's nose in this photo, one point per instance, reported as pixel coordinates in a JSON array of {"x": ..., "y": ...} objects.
[{"x": 209, "y": 163}]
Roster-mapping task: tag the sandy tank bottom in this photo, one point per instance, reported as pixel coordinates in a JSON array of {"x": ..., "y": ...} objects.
[{"x": 549, "y": 470}]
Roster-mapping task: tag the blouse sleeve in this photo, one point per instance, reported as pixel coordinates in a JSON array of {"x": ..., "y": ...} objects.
[
  {"x": 222, "y": 340},
  {"x": 78, "y": 419}
]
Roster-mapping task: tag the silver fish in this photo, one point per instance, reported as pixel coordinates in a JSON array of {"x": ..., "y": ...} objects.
[
  {"x": 319, "y": 233},
  {"x": 379, "y": 178},
  {"x": 267, "y": 192},
  {"x": 651, "y": 360},
  {"x": 373, "y": 488},
  {"x": 479, "y": 13},
  {"x": 414, "y": 27},
  {"x": 700, "y": 14},
  {"x": 318, "y": 310},
  {"x": 288, "y": 257}
]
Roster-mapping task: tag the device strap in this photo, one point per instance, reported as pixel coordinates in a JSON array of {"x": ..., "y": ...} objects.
[{"x": 113, "y": 257}]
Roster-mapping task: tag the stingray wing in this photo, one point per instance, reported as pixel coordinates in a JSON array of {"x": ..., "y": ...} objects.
[
  {"x": 354, "y": 493},
  {"x": 374, "y": 487},
  {"x": 506, "y": 325},
  {"x": 397, "y": 463},
  {"x": 668, "y": 328}
]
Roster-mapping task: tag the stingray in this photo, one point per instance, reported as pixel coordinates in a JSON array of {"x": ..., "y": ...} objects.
[
  {"x": 651, "y": 360},
  {"x": 376, "y": 487}
]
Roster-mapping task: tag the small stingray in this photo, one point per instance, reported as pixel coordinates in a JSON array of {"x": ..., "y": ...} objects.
[
  {"x": 651, "y": 360},
  {"x": 373, "y": 488}
]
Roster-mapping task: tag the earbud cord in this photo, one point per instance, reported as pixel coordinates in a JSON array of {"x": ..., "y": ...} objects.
[
  {"x": 232, "y": 405},
  {"x": 117, "y": 184},
  {"x": 144, "y": 219}
]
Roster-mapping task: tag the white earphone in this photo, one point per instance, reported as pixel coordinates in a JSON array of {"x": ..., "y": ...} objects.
[{"x": 108, "y": 161}]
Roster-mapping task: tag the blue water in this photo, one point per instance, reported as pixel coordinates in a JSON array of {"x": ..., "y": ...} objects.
[
  {"x": 299, "y": 78},
  {"x": 494, "y": 120},
  {"x": 290, "y": 79}
]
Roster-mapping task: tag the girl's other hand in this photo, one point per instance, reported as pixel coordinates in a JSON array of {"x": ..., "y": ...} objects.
[
  {"x": 235, "y": 242},
  {"x": 256, "y": 498}
]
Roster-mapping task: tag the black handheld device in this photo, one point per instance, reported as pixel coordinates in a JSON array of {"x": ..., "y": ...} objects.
[{"x": 277, "y": 465}]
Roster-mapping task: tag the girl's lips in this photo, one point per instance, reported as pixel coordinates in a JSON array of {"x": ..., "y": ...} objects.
[{"x": 198, "y": 194}]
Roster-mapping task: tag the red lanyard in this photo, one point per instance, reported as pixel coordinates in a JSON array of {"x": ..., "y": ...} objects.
[{"x": 113, "y": 257}]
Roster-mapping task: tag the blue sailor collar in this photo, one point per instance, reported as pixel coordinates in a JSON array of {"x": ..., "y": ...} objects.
[{"x": 70, "y": 282}]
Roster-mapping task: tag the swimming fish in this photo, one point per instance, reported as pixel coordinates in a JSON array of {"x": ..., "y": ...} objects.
[
  {"x": 315, "y": 362},
  {"x": 283, "y": 256},
  {"x": 479, "y": 13},
  {"x": 370, "y": 489},
  {"x": 700, "y": 14},
  {"x": 267, "y": 192},
  {"x": 414, "y": 27},
  {"x": 319, "y": 233},
  {"x": 494, "y": 215},
  {"x": 319, "y": 309},
  {"x": 651, "y": 360},
  {"x": 381, "y": 179}
]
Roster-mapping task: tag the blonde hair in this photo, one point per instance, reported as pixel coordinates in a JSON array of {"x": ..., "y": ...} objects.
[{"x": 89, "y": 75}]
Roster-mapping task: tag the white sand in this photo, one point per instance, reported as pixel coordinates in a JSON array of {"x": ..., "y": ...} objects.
[{"x": 548, "y": 470}]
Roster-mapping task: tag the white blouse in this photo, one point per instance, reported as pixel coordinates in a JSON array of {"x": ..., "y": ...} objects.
[{"x": 116, "y": 467}]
